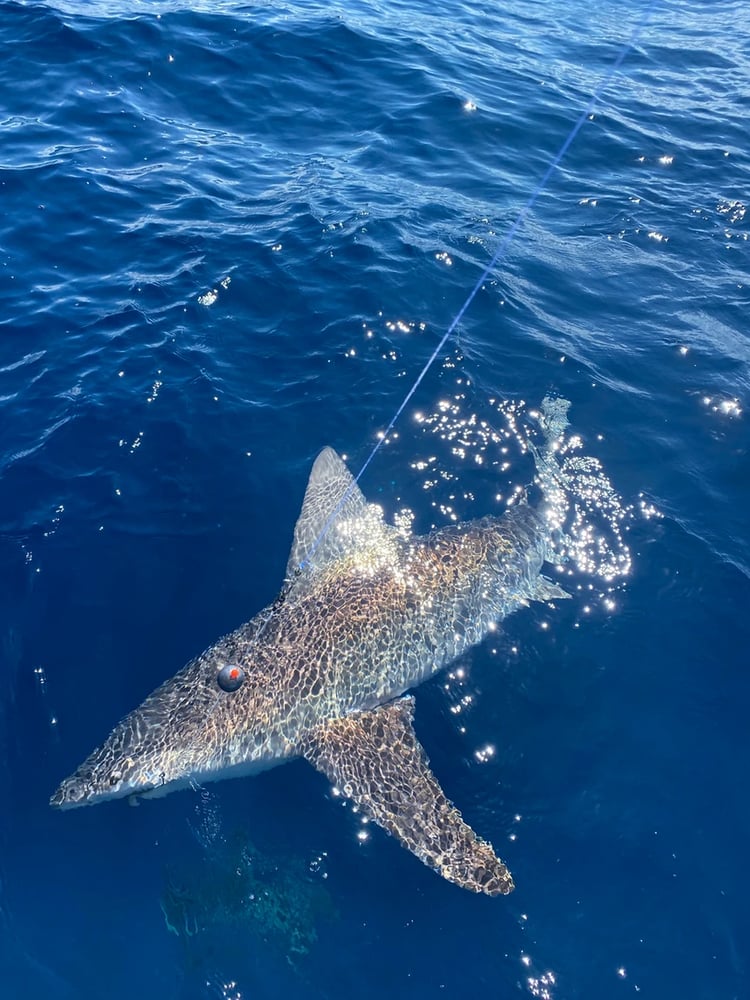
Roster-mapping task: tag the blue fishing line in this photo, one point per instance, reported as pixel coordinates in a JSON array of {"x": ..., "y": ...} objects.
[{"x": 496, "y": 258}]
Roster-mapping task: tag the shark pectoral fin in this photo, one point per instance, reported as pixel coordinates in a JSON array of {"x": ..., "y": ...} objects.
[{"x": 376, "y": 760}]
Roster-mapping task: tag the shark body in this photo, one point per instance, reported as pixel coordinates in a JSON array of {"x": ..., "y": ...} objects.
[{"x": 366, "y": 614}]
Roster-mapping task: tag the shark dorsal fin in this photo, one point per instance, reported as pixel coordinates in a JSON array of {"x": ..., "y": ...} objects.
[
  {"x": 331, "y": 494},
  {"x": 335, "y": 522},
  {"x": 376, "y": 760}
]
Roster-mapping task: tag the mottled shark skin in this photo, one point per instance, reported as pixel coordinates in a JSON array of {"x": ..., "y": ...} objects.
[
  {"x": 365, "y": 614},
  {"x": 375, "y": 758}
]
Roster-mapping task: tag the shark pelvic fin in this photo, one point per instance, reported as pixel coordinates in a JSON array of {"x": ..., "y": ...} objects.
[
  {"x": 335, "y": 522},
  {"x": 376, "y": 760},
  {"x": 548, "y": 590}
]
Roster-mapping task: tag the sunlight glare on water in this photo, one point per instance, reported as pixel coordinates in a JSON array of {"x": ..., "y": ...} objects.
[
  {"x": 588, "y": 518},
  {"x": 233, "y": 234}
]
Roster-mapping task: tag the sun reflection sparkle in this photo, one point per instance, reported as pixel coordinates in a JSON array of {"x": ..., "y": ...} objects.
[{"x": 588, "y": 519}]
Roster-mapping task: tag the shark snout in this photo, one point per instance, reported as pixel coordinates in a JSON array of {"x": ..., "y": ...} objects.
[
  {"x": 90, "y": 785},
  {"x": 70, "y": 794}
]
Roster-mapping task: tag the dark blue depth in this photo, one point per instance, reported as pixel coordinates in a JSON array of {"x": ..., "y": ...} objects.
[{"x": 232, "y": 234}]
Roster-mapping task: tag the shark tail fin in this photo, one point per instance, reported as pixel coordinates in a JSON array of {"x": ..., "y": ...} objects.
[
  {"x": 553, "y": 420},
  {"x": 550, "y": 474}
]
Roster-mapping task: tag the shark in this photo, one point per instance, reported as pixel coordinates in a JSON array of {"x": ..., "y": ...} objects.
[{"x": 366, "y": 613}]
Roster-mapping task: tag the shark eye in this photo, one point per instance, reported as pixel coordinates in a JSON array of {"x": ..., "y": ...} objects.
[
  {"x": 114, "y": 777},
  {"x": 230, "y": 677}
]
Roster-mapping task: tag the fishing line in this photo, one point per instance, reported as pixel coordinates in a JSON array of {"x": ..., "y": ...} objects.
[
  {"x": 496, "y": 258},
  {"x": 499, "y": 254}
]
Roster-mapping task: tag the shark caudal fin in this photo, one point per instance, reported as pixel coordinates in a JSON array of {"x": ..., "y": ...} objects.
[
  {"x": 376, "y": 760},
  {"x": 550, "y": 474},
  {"x": 585, "y": 514},
  {"x": 553, "y": 419}
]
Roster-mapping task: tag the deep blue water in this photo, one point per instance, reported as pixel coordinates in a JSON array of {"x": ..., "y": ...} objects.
[{"x": 231, "y": 234}]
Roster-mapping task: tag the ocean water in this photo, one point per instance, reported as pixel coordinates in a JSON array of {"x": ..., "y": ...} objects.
[{"x": 233, "y": 233}]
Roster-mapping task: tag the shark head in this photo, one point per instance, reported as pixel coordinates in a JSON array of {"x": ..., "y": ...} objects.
[
  {"x": 132, "y": 762},
  {"x": 199, "y": 726}
]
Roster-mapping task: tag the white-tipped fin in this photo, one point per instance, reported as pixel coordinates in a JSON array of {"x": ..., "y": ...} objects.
[{"x": 554, "y": 418}]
